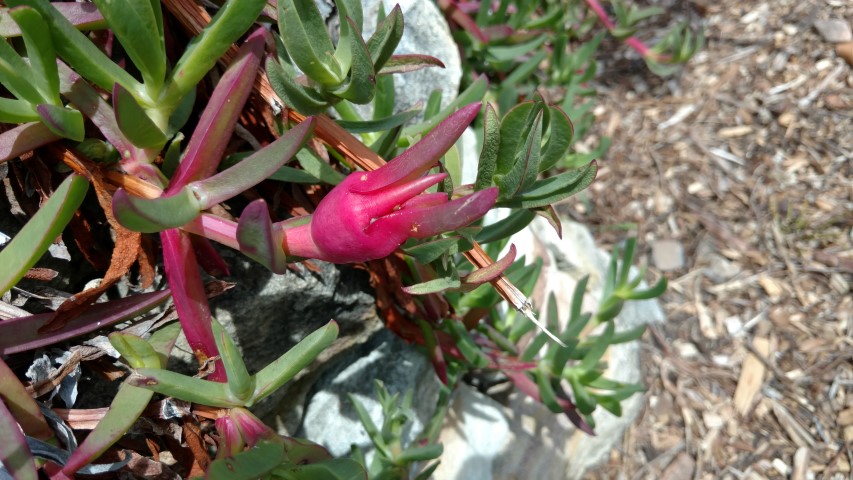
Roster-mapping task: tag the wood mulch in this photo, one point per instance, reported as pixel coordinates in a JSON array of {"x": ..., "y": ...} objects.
[{"x": 737, "y": 176}]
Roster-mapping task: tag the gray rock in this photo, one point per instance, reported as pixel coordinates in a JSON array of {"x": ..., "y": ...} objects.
[
  {"x": 834, "y": 30},
  {"x": 331, "y": 420}
]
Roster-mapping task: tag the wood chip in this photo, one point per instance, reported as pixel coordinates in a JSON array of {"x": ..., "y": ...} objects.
[
  {"x": 845, "y": 417},
  {"x": 801, "y": 464},
  {"x": 751, "y": 377},
  {"x": 681, "y": 467},
  {"x": 731, "y": 132},
  {"x": 792, "y": 427}
]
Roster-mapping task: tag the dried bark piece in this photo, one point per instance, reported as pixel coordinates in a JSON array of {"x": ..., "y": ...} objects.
[{"x": 751, "y": 377}]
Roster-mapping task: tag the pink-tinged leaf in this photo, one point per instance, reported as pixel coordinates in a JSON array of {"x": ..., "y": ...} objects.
[
  {"x": 21, "y": 405},
  {"x": 252, "y": 170},
  {"x": 14, "y": 452},
  {"x": 126, "y": 407},
  {"x": 63, "y": 121},
  {"x": 190, "y": 298},
  {"x": 493, "y": 271},
  {"x": 421, "y": 156},
  {"x": 21, "y": 334},
  {"x": 151, "y": 215},
  {"x": 84, "y": 16},
  {"x": 259, "y": 239},
  {"x": 24, "y": 138},
  {"x": 426, "y": 222},
  {"x": 223, "y": 109},
  {"x": 409, "y": 63}
]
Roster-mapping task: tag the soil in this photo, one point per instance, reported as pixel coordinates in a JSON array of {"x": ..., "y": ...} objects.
[{"x": 737, "y": 177}]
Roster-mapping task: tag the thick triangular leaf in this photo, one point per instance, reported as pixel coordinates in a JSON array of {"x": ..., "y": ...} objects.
[
  {"x": 150, "y": 215},
  {"x": 360, "y": 85},
  {"x": 385, "y": 39},
  {"x": 133, "y": 122},
  {"x": 65, "y": 122},
  {"x": 258, "y": 239}
]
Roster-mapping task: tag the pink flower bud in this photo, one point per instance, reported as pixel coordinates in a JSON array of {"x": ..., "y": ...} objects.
[{"x": 370, "y": 214}]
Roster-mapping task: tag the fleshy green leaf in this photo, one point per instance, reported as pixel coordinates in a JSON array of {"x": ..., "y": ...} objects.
[
  {"x": 433, "y": 286},
  {"x": 280, "y": 371},
  {"x": 137, "y": 352},
  {"x": 560, "y": 132},
  {"x": 507, "y": 227},
  {"x": 240, "y": 382},
  {"x": 133, "y": 122},
  {"x": 491, "y": 144},
  {"x": 526, "y": 158},
  {"x": 16, "y": 75},
  {"x": 138, "y": 25},
  {"x": 360, "y": 85},
  {"x": 76, "y": 49},
  {"x": 553, "y": 189},
  {"x": 231, "y": 21},
  {"x": 17, "y": 111},
  {"x": 308, "y": 42},
  {"x": 335, "y": 469},
  {"x": 256, "y": 462},
  {"x": 24, "y": 250},
  {"x": 125, "y": 408},
  {"x": 299, "y": 97},
  {"x": 155, "y": 214},
  {"x": 385, "y": 39},
  {"x": 65, "y": 122},
  {"x": 182, "y": 387},
  {"x": 380, "y": 124},
  {"x": 40, "y": 52}
]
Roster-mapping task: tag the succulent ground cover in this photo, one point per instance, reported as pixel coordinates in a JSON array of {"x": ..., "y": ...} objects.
[{"x": 144, "y": 133}]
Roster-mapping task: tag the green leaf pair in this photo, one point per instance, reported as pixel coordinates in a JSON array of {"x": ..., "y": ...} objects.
[{"x": 241, "y": 389}]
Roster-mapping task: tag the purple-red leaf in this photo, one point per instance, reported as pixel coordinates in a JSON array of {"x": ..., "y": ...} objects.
[
  {"x": 217, "y": 122},
  {"x": 190, "y": 298},
  {"x": 21, "y": 334}
]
